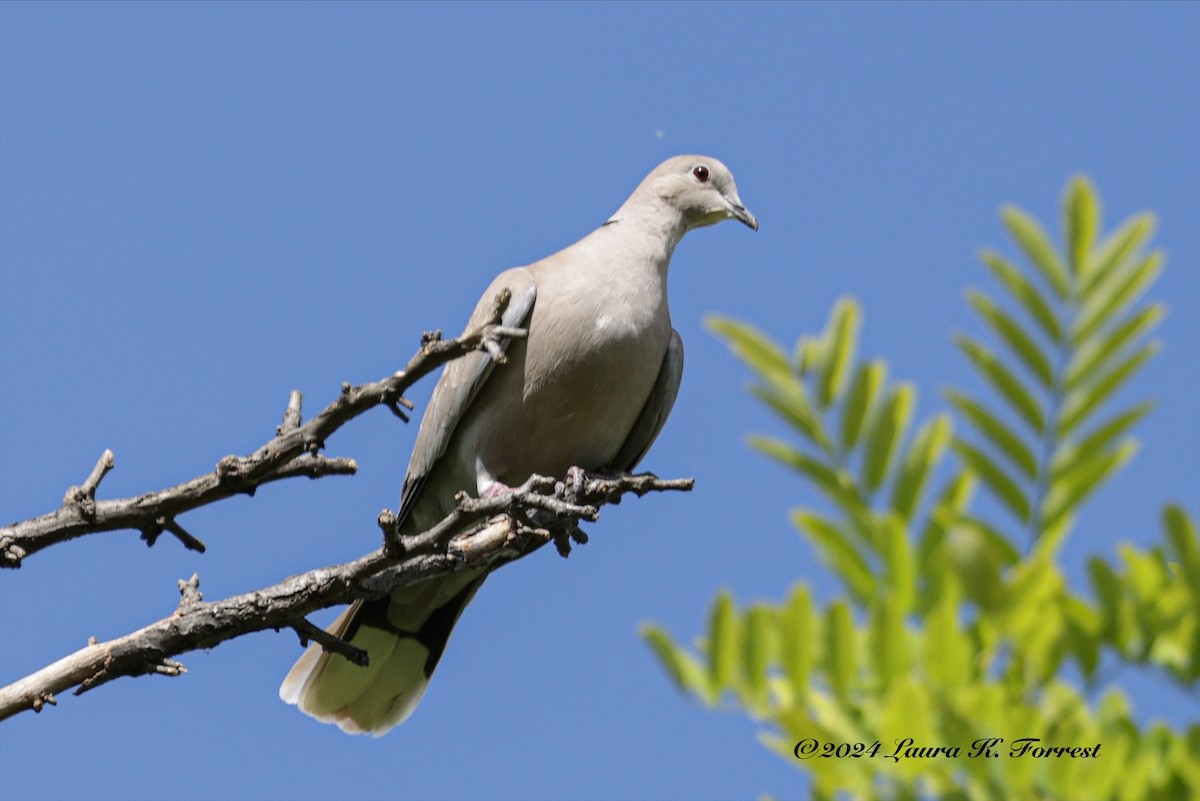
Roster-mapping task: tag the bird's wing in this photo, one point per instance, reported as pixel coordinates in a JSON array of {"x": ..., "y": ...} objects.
[
  {"x": 461, "y": 381},
  {"x": 655, "y": 411}
]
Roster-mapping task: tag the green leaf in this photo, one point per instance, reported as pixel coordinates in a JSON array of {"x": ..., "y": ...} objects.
[
  {"x": 1113, "y": 710},
  {"x": 1081, "y": 219},
  {"x": 685, "y": 672},
  {"x": 797, "y": 640},
  {"x": 838, "y": 552},
  {"x": 1031, "y": 615},
  {"x": 954, "y": 498},
  {"x": 840, "y": 658},
  {"x": 1063, "y": 479},
  {"x": 841, "y": 341},
  {"x": 722, "y": 643},
  {"x": 947, "y": 652},
  {"x": 1081, "y": 402},
  {"x": 1020, "y": 343},
  {"x": 1069, "y": 457},
  {"x": 1181, "y": 534},
  {"x": 792, "y": 406},
  {"x": 1025, "y": 292},
  {"x": 1005, "y": 488},
  {"x": 1108, "y": 300},
  {"x": 1003, "y": 381},
  {"x": 1144, "y": 574},
  {"x": 858, "y": 407},
  {"x": 758, "y": 630},
  {"x": 827, "y": 720},
  {"x": 976, "y": 565},
  {"x": 1083, "y": 634},
  {"x": 1113, "y": 251},
  {"x": 1096, "y": 353},
  {"x": 996, "y": 544},
  {"x": 1107, "y": 588},
  {"x": 1185, "y": 548},
  {"x": 899, "y": 572},
  {"x": 753, "y": 347},
  {"x": 1055, "y": 532},
  {"x": 996, "y": 432},
  {"x": 923, "y": 455},
  {"x": 889, "y": 642},
  {"x": 809, "y": 355},
  {"x": 1072, "y": 488},
  {"x": 838, "y": 489},
  {"x": 889, "y": 428},
  {"x": 1036, "y": 244},
  {"x": 906, "y": 711},
  {"x": 837, "y": 485}
]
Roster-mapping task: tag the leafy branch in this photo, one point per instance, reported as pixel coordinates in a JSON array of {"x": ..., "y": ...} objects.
[
  {"x": 1083, "y": 338},
  {"x": 954, "y": 626}
]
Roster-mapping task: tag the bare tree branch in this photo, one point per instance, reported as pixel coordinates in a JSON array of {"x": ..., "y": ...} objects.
[
  {"x": 84, "y": 496},
  {"x": 489, "y": 531},
  {"x": 282, "y": 457},
  {"x": 514, "y": 524},
  {"x": 309, "y": 631}
]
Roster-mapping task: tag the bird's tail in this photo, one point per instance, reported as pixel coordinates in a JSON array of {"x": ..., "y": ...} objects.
[{"x": 404, "y": 637}]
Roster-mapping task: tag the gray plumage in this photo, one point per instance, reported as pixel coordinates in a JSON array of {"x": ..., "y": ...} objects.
[{"x": 591, "y": 387}]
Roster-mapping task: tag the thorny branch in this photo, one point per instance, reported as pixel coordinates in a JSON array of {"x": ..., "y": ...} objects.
[
  {"x": 291, "y": 453},
  {"x": 514, "y": 525}
]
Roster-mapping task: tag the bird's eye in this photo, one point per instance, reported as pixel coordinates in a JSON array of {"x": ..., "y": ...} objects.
[{"x": 700, "y": 172}]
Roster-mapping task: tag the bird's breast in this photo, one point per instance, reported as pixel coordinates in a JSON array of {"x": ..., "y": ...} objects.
[{"x": 570, "y": 394}]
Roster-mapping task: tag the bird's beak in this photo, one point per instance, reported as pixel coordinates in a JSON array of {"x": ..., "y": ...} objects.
[{"x": 740, "y": 212}]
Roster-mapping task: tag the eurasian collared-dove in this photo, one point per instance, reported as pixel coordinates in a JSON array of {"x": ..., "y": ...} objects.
[{"x": 590, "y": 387}]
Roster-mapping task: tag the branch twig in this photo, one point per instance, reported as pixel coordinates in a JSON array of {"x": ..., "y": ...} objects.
[
  {"x": 84, "y": 496},
  {"x": 308, "y": 631}
]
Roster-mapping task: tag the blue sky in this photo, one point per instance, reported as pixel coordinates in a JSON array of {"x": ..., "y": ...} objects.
[{"x": 205, "y": 206}]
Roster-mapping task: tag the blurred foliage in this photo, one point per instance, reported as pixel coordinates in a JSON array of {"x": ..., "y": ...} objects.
[{"x": 955, "y": 624}]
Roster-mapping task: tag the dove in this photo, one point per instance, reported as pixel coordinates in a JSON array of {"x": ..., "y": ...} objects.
[{"x": 589, "y": 388}]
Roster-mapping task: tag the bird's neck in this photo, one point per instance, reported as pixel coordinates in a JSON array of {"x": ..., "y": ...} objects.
[{"x": 652, "y": 229}]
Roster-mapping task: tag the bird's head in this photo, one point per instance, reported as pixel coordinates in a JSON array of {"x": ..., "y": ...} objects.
[{"x": 701, "y": 189}]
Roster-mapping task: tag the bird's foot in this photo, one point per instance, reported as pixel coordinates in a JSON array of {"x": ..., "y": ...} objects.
[
  {"x": 496, "y": 489},
  {"x": 577, "y": 478},
  {"x": 549, "y": 524}
]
